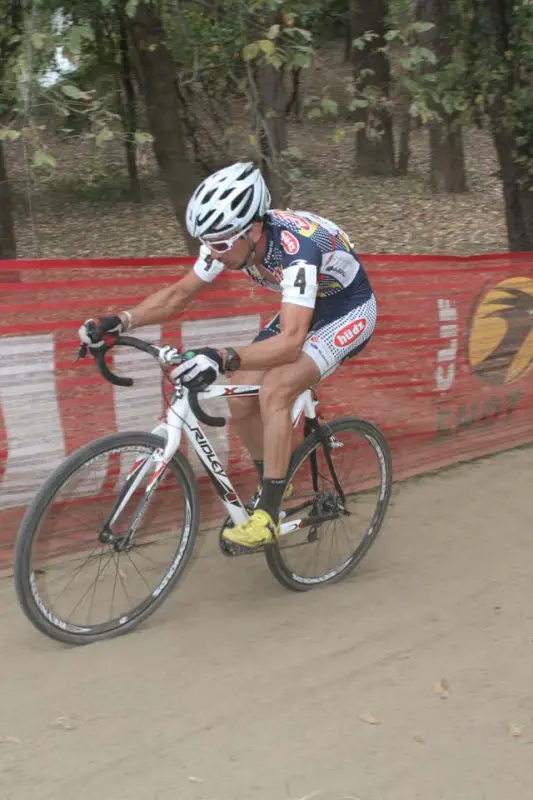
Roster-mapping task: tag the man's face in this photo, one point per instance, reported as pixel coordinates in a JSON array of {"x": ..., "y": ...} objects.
[{"x": 236, "y": 257}]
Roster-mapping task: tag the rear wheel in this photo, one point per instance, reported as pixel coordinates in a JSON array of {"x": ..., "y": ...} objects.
[{"x": 336, "y": 532}]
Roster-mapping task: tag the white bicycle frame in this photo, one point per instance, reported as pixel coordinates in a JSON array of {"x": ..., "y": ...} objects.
[{"x": 181, "y": 418}]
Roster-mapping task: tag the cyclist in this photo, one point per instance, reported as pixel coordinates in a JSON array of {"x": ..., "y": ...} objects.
[{"x": 328, "y": 314}]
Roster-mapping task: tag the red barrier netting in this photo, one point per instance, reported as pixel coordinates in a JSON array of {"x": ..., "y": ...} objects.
[{"x": 446, "y": 376}]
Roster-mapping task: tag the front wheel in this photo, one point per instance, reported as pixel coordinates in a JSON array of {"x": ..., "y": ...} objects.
[
  {"x": 96, "y": 553},
  {"x": 337, "y": 527}
]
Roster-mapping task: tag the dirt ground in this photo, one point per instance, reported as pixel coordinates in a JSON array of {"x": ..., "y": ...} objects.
[{"x": 412, "y": 679}]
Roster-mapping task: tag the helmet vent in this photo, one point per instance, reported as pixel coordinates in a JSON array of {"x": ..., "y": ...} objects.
[
  {"x": 208, "y": 196},
  {"x": 244, "y": 201},
  {"x": 246, "y": 172}
]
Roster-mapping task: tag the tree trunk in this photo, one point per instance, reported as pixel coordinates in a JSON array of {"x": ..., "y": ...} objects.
[
  {"x": 164, "y": 111},
  {"x": 491, "y": 32},
  {"x": 295, "y": 100},
  {"x": 447, "y": 164},
  {"x": 128, "y": 110},
  {"x": 11, "y": 26},
  {"x": 374, "y": 142},
  {"x": 7, "y": 230},
  {"x": 99, "y": 37},
  {"x": 404, "y": 124},
  {"x": 348, "y": 41},
  {"x": 272, "y": 124},
  {"x": 517, "y": 196}
]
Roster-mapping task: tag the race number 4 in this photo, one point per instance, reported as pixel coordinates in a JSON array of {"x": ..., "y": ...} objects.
[
  {"x": 299, "y": 284},
  {"x": 300, "y": 280}
]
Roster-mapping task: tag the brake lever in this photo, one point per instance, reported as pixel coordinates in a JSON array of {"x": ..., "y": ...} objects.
[
  {"x": 82, "y": 352},
  {"x": 170, "y": 357}
]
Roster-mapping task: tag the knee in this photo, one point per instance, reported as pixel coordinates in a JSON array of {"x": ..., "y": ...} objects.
[{"x": 276, "y": 392}]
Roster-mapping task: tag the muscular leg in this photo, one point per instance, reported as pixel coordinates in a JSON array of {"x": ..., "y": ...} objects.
[
  {"x": 280, "y": 388},
  {"x": 246, "y": 415}
]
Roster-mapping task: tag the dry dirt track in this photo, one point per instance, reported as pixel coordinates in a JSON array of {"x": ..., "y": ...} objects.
[{"x": 237, "y": 689}]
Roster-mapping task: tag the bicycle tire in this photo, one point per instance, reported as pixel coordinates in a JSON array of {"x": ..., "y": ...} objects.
[
  {"x": 274, "y": 554},
  {"x": 37, "y": 510}
]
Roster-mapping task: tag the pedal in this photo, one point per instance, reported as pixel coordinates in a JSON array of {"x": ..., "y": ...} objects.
[{"x": 231, "y": 550}]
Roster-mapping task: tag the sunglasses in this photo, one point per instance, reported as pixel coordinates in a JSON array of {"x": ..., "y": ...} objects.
[{"x": 223, "y": 245}]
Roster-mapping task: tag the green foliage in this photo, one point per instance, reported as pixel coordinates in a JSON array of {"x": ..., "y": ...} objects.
[
  {"x": 218, "y": 46},
  {"x": 43, "y": 159},
  {"x": 11, "y": 40},
  {"x": 72, "y": 92},
  {"x": 203, "y": 42},
  {"x": 81, "y": 102},
  {"x": 498, "y": 55}
]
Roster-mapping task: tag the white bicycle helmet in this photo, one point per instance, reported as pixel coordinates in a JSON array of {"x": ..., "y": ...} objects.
[{"x": 227, "y": 202}]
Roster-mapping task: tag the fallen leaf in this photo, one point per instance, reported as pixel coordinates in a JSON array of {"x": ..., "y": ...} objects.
[
  {"x": 442, "y": 688},
  {"x": 368, "y": 718},
  {"x": 310, "y": 796},
  {"x": 9, "y": 740},
  {"x": 65, "y": 723},
  {"x": 7, "y": 764},
  {"x": 514, "y": 730}
]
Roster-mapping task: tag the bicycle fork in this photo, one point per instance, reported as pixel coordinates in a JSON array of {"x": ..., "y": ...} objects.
[
  {"x": 136, "y": 475},
  {"x": 157, "y": 461}
]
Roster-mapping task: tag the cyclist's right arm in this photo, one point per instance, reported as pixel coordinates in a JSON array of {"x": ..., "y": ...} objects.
[
  {"x": 166, "y": 303},
  {"x": 157, "y": 307}
]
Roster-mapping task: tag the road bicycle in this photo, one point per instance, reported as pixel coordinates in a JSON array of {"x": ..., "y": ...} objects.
[{"x": 131, "y": 501}]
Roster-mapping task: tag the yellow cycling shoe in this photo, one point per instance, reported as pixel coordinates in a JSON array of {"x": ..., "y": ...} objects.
[{"x": 257, "y": 530}]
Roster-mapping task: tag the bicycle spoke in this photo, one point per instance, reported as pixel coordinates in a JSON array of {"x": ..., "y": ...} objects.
[
  {"x": 117, "y": 567},
  {"x": 113, "y": 595},
  {"x": 92, "y": 598},
  {"x": 138, "y": 572},
  {"x": 100, "y": 572},
  {"x": 143, "y": 555},
  {"x": 78, "y": 570}
]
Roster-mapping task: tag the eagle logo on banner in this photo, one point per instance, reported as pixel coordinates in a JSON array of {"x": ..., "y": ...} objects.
[{"x": 500, "y": 340}]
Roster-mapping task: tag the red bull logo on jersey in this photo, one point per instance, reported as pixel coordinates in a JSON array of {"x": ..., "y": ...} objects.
[
  {"x": 349, "y": 333},
  {"x": 305, "y": 226},
  {"x": 290, "y": 243}
]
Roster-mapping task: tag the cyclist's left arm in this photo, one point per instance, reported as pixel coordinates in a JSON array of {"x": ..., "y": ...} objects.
[
  {"x": 299, "y": 289},
  {"x": 283, "y": 348}
]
